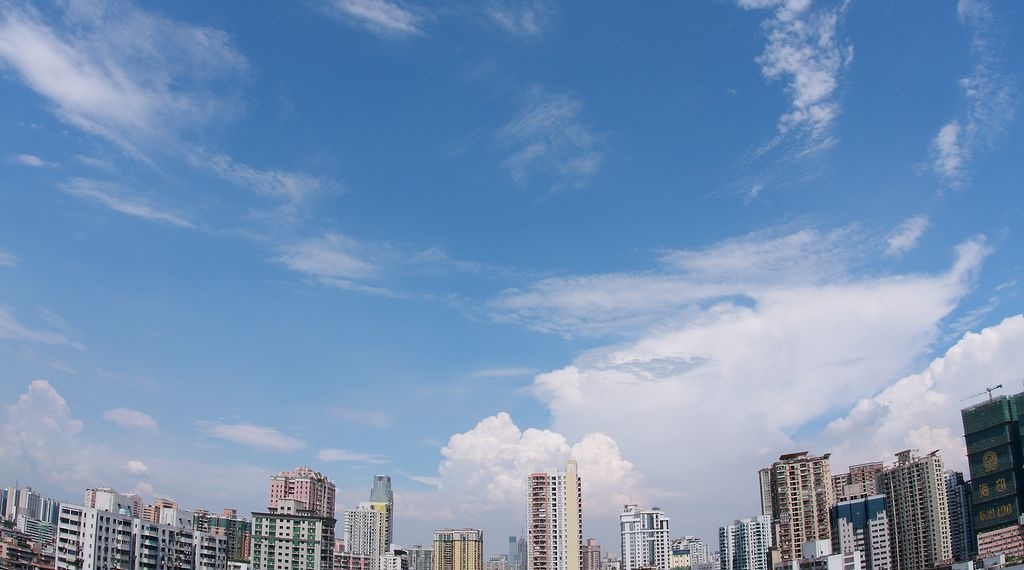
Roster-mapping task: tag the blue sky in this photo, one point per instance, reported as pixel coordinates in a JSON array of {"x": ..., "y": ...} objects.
[{"x": 455, "y": 242}]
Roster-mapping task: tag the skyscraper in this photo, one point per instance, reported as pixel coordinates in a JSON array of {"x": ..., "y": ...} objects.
[
  {"x": 801, "y": 492},
  {"x": 290, "y": 535},
  {"x": 995, "y": 456},
  {"x": 363, "y": 534},
  {"x": 862, "y": 525},
  {"x": 918, "y": 512},
  {"x": 461, "y": 549},
  {"x": 383, "y": 501},
  {"x": 644, "y": 536},
  {"x": 744, "y": 544},
  {"x": 309, "y": 487},
  {"x": 591, "y": 555},
  {"x": 555, "y": 519},
  {"x": 858, "y": 482},
  {"x": 961, "y": 523}
]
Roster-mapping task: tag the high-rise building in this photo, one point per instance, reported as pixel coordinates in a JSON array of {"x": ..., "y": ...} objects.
[
  {"x": 362, "y": 527},
  {"x": 236, "y": 531},
  {"x": 995, "y": 455},
  {"x": 383, "y": 500},
  {"x": 513, "y": 553},
  {"x": 499, "y": 562},
  {"x": 858, "y": 482},
  {"x": 555, "y": 519},
  {"x": 801, "y": 491},
  {"x": 644, "y": 535},
  {"x": 690, "y": 553},
  {"x": 861, "y": 525},
  {"x": 458, "y": 549},
  {"x": 961, "y": 521},
  {"x": 309, "y": 487},
  {"x": 744, "y": 544},
  {"x": 291, "y": 536},
  {"x": 591, "y": 555},
  {"x": 420, "y": 558},
  {"x": 918, "y": 511}
]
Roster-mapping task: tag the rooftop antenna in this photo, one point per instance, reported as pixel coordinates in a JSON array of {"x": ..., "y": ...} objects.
[{"x": 989, "y": 390}]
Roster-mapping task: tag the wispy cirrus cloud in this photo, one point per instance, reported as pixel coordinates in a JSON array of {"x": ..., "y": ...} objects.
[
  {"x": 549, "y": 140},
  {"x": 510, "y": 372},
  {"x": 121, "y": 200},
  {"x": 251, "y": 435},
  {"x": 906, "y": 236},
  {"x": 339, "y": 261},
  {"x": 989, "y": 96},
  {"x": 368, "y": 417},
  {"x": 331, "y": 455},
  {"x": 293, "y": 188},
  {"x": 8, "y": 259},
  {"x": 384, "y": 18},
  {"x": 520, "y": 17},
  {"x": 32, "y": 160},
  {"x": 13, "y": 329},
  {"x": 128, "y": 418}
]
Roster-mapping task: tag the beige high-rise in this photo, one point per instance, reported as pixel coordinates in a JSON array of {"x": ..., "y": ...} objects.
[
  {"x": 800, "y": 490},
  {"x": 917, "y": 510},
  {"x": 555, "y": 519},
  {"x": 461, "y": 549}
]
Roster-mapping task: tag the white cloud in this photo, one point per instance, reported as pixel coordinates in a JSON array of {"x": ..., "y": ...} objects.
[
  {"x": 905, "y": 236},
  {"x": 382, "y": 17},
  {"x": 130, "y": 418},
  {"x": 331, "y": 455},
  {"x": 742, "y": 356},
  {"x": 136, "y": 467},
  {"x": 339, "y": 261},
  {"x": 12, "y": 329},
  {"x": 549, "y": 138},
  {"x": 120, "y": 200},
  {"x": 41, "y": 437},
  {"x": 8, "y": 259},
  {"x": 119, "y": 72},
  {"x": 292, "y": 187},
  {"x": 804, "y": 50},
  {"x": 520, "y": 17},
  {"x": 483, "y": 474},
  {"x": 31, "y": 160},
  {"x": 367, "y": 417},
  {"x": 259, "y": 437},
  {"x": 989, "y": 95},
  {"x": 921, "y": 410}
]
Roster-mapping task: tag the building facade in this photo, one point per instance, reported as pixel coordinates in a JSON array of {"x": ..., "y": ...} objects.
[
  {"x": 859, "y": 482},
  {"x": 644, "y": 538},
  {"x": 591, "y": 555},
  {"x": 801, "y": 493},
  {"x": 292, "y": 536},
  {"x": 458, "y": 549},
  {"x": 236, "y": 531},
  {"x": 744, "y": 544},
  {"x": 963, "y": 541},
  {"x": 307, "y": 486},
  {"x": 918, "y": 511},
  {"x": 861, "y": 525},
  {"x": 382, "y": 500},
  {"x": 690, "y": 552},
  {"x": 555, "y": 519},
  {"x": 362, "y": 527},
  {"x": 420, "y": 558}
]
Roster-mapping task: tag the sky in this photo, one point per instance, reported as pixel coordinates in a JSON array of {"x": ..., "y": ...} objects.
[{"x": 457, "y": 242}]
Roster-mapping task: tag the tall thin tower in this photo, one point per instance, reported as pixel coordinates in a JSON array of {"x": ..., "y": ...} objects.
[{"x": 555, "y": 519}]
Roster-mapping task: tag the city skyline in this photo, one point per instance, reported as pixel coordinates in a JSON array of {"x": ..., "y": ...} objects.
[{"x": 456, "y": 244}]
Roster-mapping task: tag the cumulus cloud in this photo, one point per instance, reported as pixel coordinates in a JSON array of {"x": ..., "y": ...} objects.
[
  {"x": 120, "y": 200},
  {"x": 804, "y": 50},
  {"x": 130, "y": 419},
  {"x": 136, "y": 467},
  {"x": 905, "y": 236},
  {"x": 990, "y": 101},
  {"x": 40, "y": 436},
  {"x": 549, "y": 139},
  {"x": 740, "y": 358},
  {"x": 331, "y": 455},
  {"x": 483, "y": 473},
  {"x": 381, "y": 17},
  {"x": 259, "y": 437}
]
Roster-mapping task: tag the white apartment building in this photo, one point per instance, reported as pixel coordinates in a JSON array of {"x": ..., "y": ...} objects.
[
  {"x": 918, "y": 512},
  {"x": 555, "y": 519},
  {"x": 644, "y": 538},
  {"x": 362, "y": 528},
  {"x": 744, "y": 544}
]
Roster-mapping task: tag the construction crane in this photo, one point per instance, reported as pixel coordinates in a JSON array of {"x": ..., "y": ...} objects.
[{"x": 988, "y": 390}]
